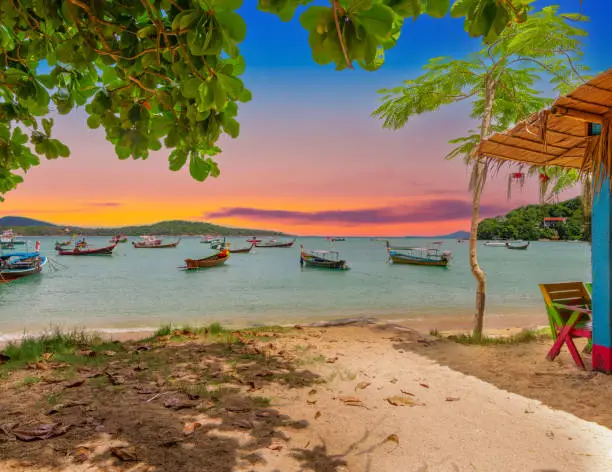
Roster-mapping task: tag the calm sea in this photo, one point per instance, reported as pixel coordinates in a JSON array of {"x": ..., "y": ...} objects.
[{"x": 139, "y": 288}]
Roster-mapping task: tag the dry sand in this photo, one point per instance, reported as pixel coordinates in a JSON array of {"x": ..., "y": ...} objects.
[{"x": 341, "y": 419}]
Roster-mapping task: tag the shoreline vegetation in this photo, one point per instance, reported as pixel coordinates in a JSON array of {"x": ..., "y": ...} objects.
[
  {"x": 527, "y": 223},
  {"x": 31, "y": 227},
  {"x": 298, "y": 398}
]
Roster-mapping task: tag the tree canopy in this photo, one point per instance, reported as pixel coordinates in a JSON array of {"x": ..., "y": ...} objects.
[
  {"x": 166, "y": 73},
  {"x": 527, "y": 223}
]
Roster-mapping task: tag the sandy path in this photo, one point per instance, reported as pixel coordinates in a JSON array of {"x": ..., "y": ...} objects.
[{"x": 486, "y": 429}]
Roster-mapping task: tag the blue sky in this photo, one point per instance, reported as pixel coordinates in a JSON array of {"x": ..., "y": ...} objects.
[{"x": 308, "y": 147}]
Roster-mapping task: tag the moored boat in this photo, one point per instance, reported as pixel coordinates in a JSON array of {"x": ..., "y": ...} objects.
[
  {"x": 80, "y": 250},
  {"x": 322, "y": 259},
  {"x": 243, "y": 250},
  {"x": 152, "y": 242},
  {"x": 275, "y": 243},
  {"x": 518, "y": 245},
  {"x": 119, "y": 238},
  {"x": 333, "y": 239},
  {"x": 496, "y": 243},
  {"x": 217, "y": 243},
  {"x": 210, "y": 261},
  {"x": 62, "y": 244},
  {"x": 425, "y": 256},
  {"x": 17, "y": 265},
  {"x": 8, "y": 239}
]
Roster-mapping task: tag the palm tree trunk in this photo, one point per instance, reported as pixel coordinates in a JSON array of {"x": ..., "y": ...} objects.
[{"x": 479, "y": 174}]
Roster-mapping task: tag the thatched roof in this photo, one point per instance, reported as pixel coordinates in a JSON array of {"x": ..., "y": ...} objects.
[{"x": 559, "y": 135}]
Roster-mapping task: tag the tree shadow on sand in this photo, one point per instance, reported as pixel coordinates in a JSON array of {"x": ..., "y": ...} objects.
[{"x": 191, "y": 405}]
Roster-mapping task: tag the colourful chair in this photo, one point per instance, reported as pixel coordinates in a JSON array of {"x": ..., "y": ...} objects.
[{"x": 568, "y": 306}]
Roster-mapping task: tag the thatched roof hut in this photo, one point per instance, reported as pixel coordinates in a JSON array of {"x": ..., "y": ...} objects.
[{"x": 574, "y": 132}]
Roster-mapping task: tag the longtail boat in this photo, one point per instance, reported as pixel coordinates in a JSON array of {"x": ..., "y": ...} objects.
[
  {"x": 322, "y": 259},
  {"x": 243, "y": 250},
  {"x": 274, "y": 243},
  {"x": 217, "y": 243},
  {"x": 151, "y": 242},
  {"x": 521, "y": 246},
  {"x": 8, "y": 241},
  {"x": 17, "y": 265},
  {"x": 495, "y": 244},
  {"x": 62, "y": 244},
  {"x": 87, "y": 251},
  {"x": 425, "y": 256},
  {"x": 210, "y": 261}
]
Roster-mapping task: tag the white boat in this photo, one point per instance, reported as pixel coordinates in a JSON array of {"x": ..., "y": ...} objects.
[
  {"x": 495, "y": 243},
  {"x": 8, "y": 239}
]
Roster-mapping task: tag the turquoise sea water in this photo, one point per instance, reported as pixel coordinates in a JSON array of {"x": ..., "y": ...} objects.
[{"x": 138, "y": 288}]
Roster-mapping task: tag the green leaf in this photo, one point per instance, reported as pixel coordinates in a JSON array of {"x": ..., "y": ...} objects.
[
  {"x": 47, "y": 124},
  {"x": 146, "y": 31},
  {"x": 315, "y": 17},
  {"x": 190, "y": 87},
  {"x": 378, "y": 20},
  {"x": 93, "y": 121},
  {"x": 218, "y": 94},
  {"x": 245, "y": 96},
  {"x": 177, "y": 159},
  {"x": 199, "y": 168},
  {"x": 19, "y": 138},
  {"x": 234, "y": 25},
  {"x": 226, "y": 4},
  {"x": 231, "y": 127},
  {"x": 232, "y": 85},
  {"x": 437, "y": 8}
]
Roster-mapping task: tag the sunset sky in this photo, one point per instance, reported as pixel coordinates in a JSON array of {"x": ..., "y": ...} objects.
[{"x": 309, "y": 159}]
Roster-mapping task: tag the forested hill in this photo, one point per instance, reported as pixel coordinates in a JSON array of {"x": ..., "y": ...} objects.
[
  {"x": 30, "y": 227},
  {"x": 527, "y": 223}
]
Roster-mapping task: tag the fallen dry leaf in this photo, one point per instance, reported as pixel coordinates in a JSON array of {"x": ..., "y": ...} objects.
[
  {"x": 189, "y": 428},
  {"x": 125, "y": 453},
  {"x": 452, "y": 399},
  {"x": 81, "y": 454},
  {"x": 146, "y": 389},
  {"x": 406, "y": 392},
  {"x": 397, "y": 400},
  {"x": 424, "y": 385},
  {"x": 393, "y": 381},
  {"x": 86, "y": 353},
  {"x": 313, "y": 391},
  {"x": 317, "y": 415},
  {"x": 332, "y": 360},
  {"x": 276, "y": 445},
  {"x": 351, "y": 401},
  {"x": 311, "y": 402},
  {"x": 141, "y": 367},
  {"x": 115, "y": 379},
  {"x": 392, "y": 438},
  {"x": 47, "y": 355},
  {"x": 109, "y": 353},
  {"x": 40, "y": 431},
  {"x": 176, "y": 403},
  {"x": 362, "y": 385},
  {"x": 75, "y": 383}
]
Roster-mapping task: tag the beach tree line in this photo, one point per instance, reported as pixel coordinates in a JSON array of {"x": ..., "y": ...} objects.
[
  {"x": 527, "y": 223},
  {"x": 159, "y": 74}
]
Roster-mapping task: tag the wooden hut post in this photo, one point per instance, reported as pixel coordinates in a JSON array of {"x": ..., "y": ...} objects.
[{"x": 601, "y": 250}]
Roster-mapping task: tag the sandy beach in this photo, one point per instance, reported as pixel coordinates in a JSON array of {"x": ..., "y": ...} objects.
[{"x": 370, "y": 398}]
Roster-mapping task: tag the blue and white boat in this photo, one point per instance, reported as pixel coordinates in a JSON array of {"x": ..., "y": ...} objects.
[{"x": 16, "y": 265}]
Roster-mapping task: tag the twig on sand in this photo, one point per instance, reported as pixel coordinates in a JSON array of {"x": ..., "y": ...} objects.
[{"x": 156, "y": 395}]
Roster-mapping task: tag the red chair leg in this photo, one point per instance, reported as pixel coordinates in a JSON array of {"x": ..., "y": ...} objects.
[
  {"x": 556, "y": 347},
  {"x": 574, "y": 352}
]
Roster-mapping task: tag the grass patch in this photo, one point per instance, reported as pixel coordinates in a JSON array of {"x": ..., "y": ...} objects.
[
  {"x": 215, "y": 329},
  {"x": 61, "y": 344},
  {"x": 434, "y": 332},
  {"x": 261, "y": 402},
  {"x": 53, "y": 399},
  {"x": 165, "y": 330},
  {"x": 525, "y": 336},
  {"x": 27, "y": 381}
]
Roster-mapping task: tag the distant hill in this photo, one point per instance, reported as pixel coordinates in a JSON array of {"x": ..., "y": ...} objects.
[
  {"x": 11, "y": 221},
  {"x": 455, "y": 235},
  {"x": 31, "y": 227}
]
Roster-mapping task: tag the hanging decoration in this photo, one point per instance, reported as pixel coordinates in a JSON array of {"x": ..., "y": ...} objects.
[{"x": 515, "y": 178}]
